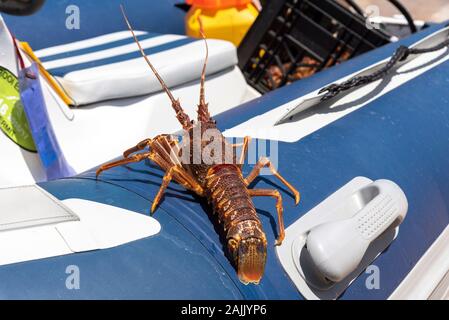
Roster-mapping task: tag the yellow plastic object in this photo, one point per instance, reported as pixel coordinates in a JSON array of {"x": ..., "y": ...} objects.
[
  {"x": 53, "y": 83},
  {"x": 222, "y": 19}
]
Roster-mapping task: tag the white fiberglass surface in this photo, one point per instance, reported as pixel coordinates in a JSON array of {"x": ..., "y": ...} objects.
[
  {"x": 26, "y": 206},
  {"x": 71, "y": 225}
]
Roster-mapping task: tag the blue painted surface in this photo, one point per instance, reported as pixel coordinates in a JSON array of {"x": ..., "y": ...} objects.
[
  {"x": 47, "y": 27},
  {"x": 98, "y": 47},
  {"x": 401, "y": 136},
  {"x": 140, "y": 269},
  {"x": 61, "y": 71}
]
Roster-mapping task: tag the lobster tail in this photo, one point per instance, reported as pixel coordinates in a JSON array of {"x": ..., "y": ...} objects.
[
  {"x": 251, "y": 260},
  {"x": 249, "y": 256},
  {"x": 246, "y": 241}
]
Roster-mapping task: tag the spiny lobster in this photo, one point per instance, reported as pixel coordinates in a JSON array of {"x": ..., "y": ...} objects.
[{"x": 221, "y": 182}]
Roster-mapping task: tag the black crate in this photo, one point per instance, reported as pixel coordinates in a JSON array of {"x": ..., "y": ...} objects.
[{"x": 293, "y": 39}]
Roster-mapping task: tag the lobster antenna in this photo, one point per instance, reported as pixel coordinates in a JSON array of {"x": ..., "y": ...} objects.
[
  {"x": 203, "y": 73},
  {"x": 163, "y": 85},
  {"x": 182, "y": 117},
  {"x": 203, "y": 112}
]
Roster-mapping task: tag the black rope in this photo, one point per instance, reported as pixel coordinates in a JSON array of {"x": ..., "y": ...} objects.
[
  {"x": 400, "y": 54},
  {"x": 397, "y": 4},
  {"x": 405, "y": 13}
]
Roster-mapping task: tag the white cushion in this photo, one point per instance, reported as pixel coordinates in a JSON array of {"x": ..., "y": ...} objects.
[{"x": 110, "y": 66}]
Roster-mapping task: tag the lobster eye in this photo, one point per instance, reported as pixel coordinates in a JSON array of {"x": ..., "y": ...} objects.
[{"x": 233, "y": 244}]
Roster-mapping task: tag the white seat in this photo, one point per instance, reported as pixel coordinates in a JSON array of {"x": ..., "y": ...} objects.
[{"x": 111, "y": 66}]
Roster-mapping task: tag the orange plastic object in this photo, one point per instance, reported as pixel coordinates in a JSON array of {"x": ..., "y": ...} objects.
[
  {"x": 217, "y": 4},
  {"x": 222, "y": 19}
]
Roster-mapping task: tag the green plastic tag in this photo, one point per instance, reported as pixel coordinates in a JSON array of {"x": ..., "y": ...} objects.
[{"x": 13, "y": 121}]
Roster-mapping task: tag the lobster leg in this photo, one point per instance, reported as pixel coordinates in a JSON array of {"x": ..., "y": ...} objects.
[
  {"x": 165, "y": 181},
  {"x": 167, "y": 149},
  {"x": 265, "y": 162},
  {"x": 279, "y": 207},
  {"x": 165, "y": 155},
  {"x": 140, "y": 146},
  {"x": 134, "y": 158},
  {"x": 244, "y": 145},
  {"x": 182, "y": 178},
  {"x": 173, "y": 173}
]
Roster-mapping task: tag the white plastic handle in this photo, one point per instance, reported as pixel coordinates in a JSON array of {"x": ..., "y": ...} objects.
[{"x": 337, "y": 248}]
